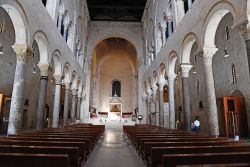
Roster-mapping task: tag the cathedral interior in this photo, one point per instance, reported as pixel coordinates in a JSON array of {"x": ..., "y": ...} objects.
[{"x": 104, "y": 70}]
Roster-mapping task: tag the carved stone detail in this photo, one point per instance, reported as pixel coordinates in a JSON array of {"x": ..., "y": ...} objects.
[
  {"x": 22, "y": 52},
  {"x": 44, "y": 69},
  {"x": 185, "y": 68},
  {"x": 208, "y": 54}
]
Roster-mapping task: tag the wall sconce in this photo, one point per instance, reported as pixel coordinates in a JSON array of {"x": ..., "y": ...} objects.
[{"x": 226, "y": 53}]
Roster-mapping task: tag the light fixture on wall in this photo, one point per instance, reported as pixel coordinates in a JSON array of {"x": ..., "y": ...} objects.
[{"x": 226, "y": 52}]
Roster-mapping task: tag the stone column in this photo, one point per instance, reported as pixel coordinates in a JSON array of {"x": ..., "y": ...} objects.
[
  {"x": 22, "y": 54},
  {"x": 185, "y": 68},
  {"x": 56, "y": 107},
  {"x": 189, "y": 3},
  {"x": 171, "y": 79},
  {"x": 73, "y": 107},
  {"x": 40, "y": 119},
  {"x": 155, "y": 105},
  {"x": 79, "y": 99},
  {"x": 149, "y": 105},
  {"x": 82, "y": 110},
  {"x": 210, "y": 91},
  {"x": 243, "y": 27},
  {"x": 161, "y": 104},
  {"x": 66, "y": 103}
]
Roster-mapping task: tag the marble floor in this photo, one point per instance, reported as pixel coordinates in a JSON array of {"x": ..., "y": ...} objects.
[{"x": 113, "y": 150}]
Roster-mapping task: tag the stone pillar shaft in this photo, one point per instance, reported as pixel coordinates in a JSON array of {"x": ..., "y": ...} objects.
[
  {"x": 56, "y": 107},
  {"x": 78, "y": 108},
  {"x": 22, "y": 53},
  {"x": 73, "y": 106},
  {"x": 161, "y": 105},
  {"x": 210, "y": 91},
  {"x": 41, "y": 102},
  {"x": 66, "y": 104},
  {"x": 171, "y": 79},
  {"x": 40, "y": 120},
  {"x": 186, "y": 96}
]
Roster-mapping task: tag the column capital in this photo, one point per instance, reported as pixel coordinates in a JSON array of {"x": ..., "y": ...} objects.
[
  {"x": 185, "y": 68},
  {"x": 161, "y": 84},
  {"x": 44, "y": 69},
  {"x": 208, "y": 54},
  {"x": 22, "y": 52},
  {"x": 171, "y": 77},
  {"x": 67, "y": 84},
  {"x": 74, "y": 92},
  {"x": 58, "y": 79},
  {"x": 79, "y": 93}
]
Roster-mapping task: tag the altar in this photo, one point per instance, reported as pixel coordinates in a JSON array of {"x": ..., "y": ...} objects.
[{"x": 115, "y": 108}]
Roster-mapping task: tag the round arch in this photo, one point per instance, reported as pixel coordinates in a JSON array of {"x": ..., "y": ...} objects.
[
  {"x": 19, "y": 20},
  {"x": 67, "y": 72},
  {"x": 172, "y": 62},
  {"x": 74, "y": 80},
  {"x": 162, "y": 72},
  {"x": 214, "y": 17},
  {"x": 42, "y": 43},
  {"x": 187, "y": 45},
  {"x": 56, "y": 57}
]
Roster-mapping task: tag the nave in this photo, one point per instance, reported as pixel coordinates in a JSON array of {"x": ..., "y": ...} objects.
[{"x": 114, "y": 150}]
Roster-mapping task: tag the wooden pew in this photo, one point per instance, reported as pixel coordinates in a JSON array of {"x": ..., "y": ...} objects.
[
  {"x": 33, "y": 160},
  {"x": 172, "y": 160},
  {"x": 157, "y": 152},
  {"x": 80, "y": 145},
  {"x": 72, "y": 152},
  {"x": 88, "y": 143},
  {"x": 148, "y": 145}
]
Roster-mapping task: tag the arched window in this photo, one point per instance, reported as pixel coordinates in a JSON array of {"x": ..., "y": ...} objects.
[
  {"x": 234, "y": 77},
  {"x": 62, "y": 27},
  {"x": 44, "y": 2},
  {"x": 186, "y": 6},
  {"x": 198, "y": 87},
  {"x": 116, "y": 88},
  {"x": 227, "y": 33}
]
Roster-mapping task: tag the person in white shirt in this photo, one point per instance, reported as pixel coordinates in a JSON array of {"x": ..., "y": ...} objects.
[{"x": 196, "y": 126}]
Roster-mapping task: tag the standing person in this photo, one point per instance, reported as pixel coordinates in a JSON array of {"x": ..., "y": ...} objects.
[{"x": 197, "y": 125}]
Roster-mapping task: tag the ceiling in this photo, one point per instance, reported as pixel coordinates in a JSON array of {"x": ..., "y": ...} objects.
[{"x": 116, "y": 10}]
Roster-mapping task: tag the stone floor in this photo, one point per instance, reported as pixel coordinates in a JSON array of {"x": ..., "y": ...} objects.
[{"x": 114, "y": 151}]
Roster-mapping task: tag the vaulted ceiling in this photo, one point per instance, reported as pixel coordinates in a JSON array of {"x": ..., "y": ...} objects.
[{"x": 116, "y": 10}]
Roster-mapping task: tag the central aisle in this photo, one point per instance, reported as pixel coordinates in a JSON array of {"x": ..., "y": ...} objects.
[{"x": 114, "y": 151}]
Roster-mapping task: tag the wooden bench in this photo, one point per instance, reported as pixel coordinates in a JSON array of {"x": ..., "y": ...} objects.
[
  {"x": 172, "y": 160},
  {"x": 33, "y": 160},
  {"x": 148, "y": 145},
  {"x": 80, "y": 145},
  {"x": 72, "y": 152},
  {"x": 157, "y": 152}
]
